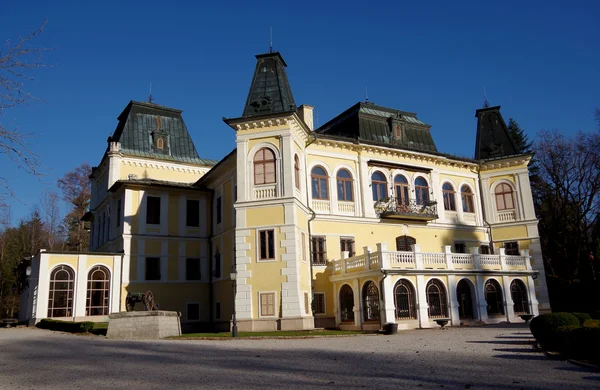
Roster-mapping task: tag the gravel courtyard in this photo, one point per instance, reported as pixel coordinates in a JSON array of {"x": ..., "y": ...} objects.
[{"x": 457, "y": 358}]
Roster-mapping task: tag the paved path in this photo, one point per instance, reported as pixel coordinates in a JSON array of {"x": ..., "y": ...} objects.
[{"x": 495, "y": 357}]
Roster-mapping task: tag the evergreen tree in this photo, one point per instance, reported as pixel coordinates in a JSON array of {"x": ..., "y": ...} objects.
[{"x": 523, "y": 144}]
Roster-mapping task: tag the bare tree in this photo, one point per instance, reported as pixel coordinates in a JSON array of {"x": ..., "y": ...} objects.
[
  {"x": 597, "y": 115},
  {"x": 75, "y": 186},
  {"x": 50, "y": 204},
  {"x": 17, "y": 59}
]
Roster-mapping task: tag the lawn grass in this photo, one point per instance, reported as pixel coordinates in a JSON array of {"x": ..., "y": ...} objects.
[
  {"x": 275, "y": 334},
  {"x": 99, "y": 328}
]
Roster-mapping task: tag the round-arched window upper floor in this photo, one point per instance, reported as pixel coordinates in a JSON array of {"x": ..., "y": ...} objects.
[
  {"x": 320, "y": 183},
  {"x": 467, "y": 199},
  {"x": 504, "y": 197},
  {"x": 379, "y": 186},
  {"x": 264, "y": 167},
  {"x": 402, "y": 190},
  {"x": 449, "y": 197},
  {"x": 344, "y": 186},
  {"x": 421, "y": 191}
]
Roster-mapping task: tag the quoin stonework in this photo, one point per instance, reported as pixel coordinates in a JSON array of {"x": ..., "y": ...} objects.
[{"x": 357, "y": 223}]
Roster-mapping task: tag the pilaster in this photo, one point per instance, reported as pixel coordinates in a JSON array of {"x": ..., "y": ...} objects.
[
  {"x": 509, "y": 308},
  {"x": 80, "y": 287},
  {"x": 422, "y": 305},
  {"x": 481, "y": 302},
  {"x": 454, "y": 314}
]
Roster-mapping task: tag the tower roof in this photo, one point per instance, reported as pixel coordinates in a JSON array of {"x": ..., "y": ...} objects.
[
  {"x": 140, "y": 122},
  {"x": 270, "y": 90},
  {"x": 493, "y": 138}
]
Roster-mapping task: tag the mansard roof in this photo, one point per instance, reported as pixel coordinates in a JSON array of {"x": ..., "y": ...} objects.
[
  {"x": 369, "y": 122},
  {"x": 493, "y": 138},
  {"x": 270, "y": 90},
  {"x": 139, "y": 121}
]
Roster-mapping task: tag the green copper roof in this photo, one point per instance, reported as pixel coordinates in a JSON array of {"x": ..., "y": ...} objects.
[
  {"x": 370, "y": 122},
  {"x": 140, "y": 123},
  {"x": 270, "y": 90},
  {"x": 493, "y": 139}
]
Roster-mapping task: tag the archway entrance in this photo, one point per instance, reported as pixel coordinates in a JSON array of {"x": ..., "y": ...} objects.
[
  {"x": 465, "y": 301},
  {"x": 346, "y": 303}
]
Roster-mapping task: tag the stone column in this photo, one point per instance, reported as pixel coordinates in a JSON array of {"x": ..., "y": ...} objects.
[
  {"x": 533, "y": 302},
  {"x": 422, "y": 305},
  {"x": 357, "y": 309},
  {"x": 481, "y": 302},
  {"x": 454, "y": 314},
  {"x": 388, "y": 311},
  {"x": 79, "y": 299},
  {"x": 509, "y": 308}
]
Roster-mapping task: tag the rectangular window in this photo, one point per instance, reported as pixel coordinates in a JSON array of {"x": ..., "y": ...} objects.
[
  {"x": 303, "y": 238},
  {"x": 217, "y": 271},
  {"x": 119, "y": 213},
  {"x": 347, "y": 244},
  {"x": 153, "y": 210},
  {"x": 267, "y": 245},
  {"x": 484, "y": 250},
  {"x": 306, "y": 303},
  {"x": 267, "y": 304},
  {"x": 217, "y": 310},
  {"x": 193, "y": 311},
  {"x": 219, "y": 210},
  {"x": 460, "y": 247},
  {"x": 511, "y": 248},
  {"x": 152, "y": 268},
  {"x": 192, "y": 269},
  {"x": 319, "y": 303},
  {"x": 319, "y": 250},
  {"x": 192, "y": 213}
]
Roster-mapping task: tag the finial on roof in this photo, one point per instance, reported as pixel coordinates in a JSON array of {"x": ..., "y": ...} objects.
[
  {"x": 270, "y": 39},
  {"x": 366, "y": 94},
  {"x": 150, "y": 98},
  {"x": 486, "y": 104}
]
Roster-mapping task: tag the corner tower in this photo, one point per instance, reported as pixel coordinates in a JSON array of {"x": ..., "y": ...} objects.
[{"x": 271, "y": 236}]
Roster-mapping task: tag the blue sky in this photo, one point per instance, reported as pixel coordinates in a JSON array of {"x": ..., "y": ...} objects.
[{"x": 540, "y": 60}]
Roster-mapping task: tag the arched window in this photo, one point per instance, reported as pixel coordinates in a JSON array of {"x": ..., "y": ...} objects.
[
  {"x": 344, "y": 186},
  {"x": 320, "y": 183},
  {"x": 493, "y": 297},
  {"x": 402, "y": 190},
  {"x": 518, "y": 293},
  {"x": 297, "y": 171},
  {"x": 379, "y": 186},
  {"x": 421, "y": 191},
  {"x": 504, "y": 197},
  {"x": 60, "y": 297},
  {"x": 346, "y": 303},
  {"x": 403, "y": 243},
  {"x": 264, "y": 166},
  {"x": 98, "y": 291},
  {"x": 449, "y": 197},
  {"x": 404, "y": 296},
  {"x": 467, "y": 199},
  {"x": 370, "y": 302},
  {"x": 160, "y": 143},
  {"x": 436, "y": 299}
]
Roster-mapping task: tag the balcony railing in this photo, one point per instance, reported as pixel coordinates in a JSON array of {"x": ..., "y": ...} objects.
[
  {"x": 391, "y": 208},
  {"x": 417, "y": 260},
  {"x": 265, "y": 192}
]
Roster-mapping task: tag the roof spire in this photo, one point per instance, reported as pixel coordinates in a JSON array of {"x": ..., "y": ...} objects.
[
  {"x": 270, "y": 39},
  {"x": 366, "y": 94},
  {"x": 150, "y": 98},
  {"x": 486, "y": 104}
]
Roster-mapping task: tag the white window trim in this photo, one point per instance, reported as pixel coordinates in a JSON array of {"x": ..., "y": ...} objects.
[
  {"x": 274, "y": 259},
  {"x": 274, "y": 304},
  {"x": 324, "y": 304},
  {"x": 187, "y": 318}
]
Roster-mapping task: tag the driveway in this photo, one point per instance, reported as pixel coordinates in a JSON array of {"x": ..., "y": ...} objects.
[{"x": 456, "y": 358}]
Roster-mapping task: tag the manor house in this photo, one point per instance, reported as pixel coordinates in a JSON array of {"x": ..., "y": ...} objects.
[{"x": 357, "y": 223}]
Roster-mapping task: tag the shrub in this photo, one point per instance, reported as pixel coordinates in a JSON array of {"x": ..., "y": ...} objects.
[
  {"x": 545, "y": 326},
  {"x": 559, "y": 338},
  {"x": 591, "y": 324},
  {"x": 584, "y": 343},
  {"x": 582, "y": 317},
  {"x": 65, "y": 326}
]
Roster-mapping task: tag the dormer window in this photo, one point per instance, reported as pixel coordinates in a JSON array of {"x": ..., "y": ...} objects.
[{"x": 160, "y": 142}]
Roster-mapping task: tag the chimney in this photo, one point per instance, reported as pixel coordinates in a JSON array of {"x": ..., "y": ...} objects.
[{"x": 306, "y": 113}]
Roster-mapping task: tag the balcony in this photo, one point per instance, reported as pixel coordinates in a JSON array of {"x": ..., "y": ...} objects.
[
  {"x": 423, "y": 261},
  {"x": 390, "y": 208}
]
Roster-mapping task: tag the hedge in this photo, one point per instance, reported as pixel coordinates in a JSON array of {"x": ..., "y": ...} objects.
[
  {"x": 582, "y": 317},
  {"x": 584, "y": 343},
  {"x": 591, "y": 324},
  {"x": 66, "y": 326},
  {"x": 545, "y": 327}
]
